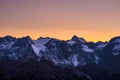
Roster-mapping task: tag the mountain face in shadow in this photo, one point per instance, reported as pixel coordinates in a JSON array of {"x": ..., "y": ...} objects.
[{"x": 53, "y": 59}]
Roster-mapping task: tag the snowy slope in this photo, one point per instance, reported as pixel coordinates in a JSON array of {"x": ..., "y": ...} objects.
[
  {"x": 117, "y": 40},
  {"x": 74, "y": 60},
  {"x": 71, "y": 42},
  {"x": 39, "y": 45},
  {"x": 101, "y": 45},
  {"x": 85, "y": 48},
  {"x": 6, "y": 46},
  {"x": 116, "y": 50},
  {"x": 82, "y": 40}
]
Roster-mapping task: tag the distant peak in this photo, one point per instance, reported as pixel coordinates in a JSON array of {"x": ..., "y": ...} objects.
[
  {"x": 28, "y": 37},
  {"x": 8, "y": 36},
  {"x": 43, "y": 38},
  {"x": 115, "y": 39},
  {"x": 101, "y": 42},
  {"x": 76, "y": 38},
  {"x": 7, "y": 39},
  {"x": 25, "y": 39}
]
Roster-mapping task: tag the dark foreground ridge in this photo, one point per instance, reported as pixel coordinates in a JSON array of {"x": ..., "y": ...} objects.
[
  {"x": 32, "y": 69},
  {"x": 53, "y": 59}
]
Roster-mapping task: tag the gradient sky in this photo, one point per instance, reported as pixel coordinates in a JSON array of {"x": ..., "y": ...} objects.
[{"x": 92, "y": 19}]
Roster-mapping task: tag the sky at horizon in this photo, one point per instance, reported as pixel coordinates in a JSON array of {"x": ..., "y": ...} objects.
[{"x": 93, "y": 20}]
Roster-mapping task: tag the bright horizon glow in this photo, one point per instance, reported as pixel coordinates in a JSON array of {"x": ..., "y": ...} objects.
[
  {"x": 62, "y": 38},
  {"x": 94, "y": 20}
]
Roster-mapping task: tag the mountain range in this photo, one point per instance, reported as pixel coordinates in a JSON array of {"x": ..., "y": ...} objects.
[{"x": 54, "y": 59}]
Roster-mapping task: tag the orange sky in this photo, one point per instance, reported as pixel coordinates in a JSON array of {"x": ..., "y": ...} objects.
[{"x": 92, "y": 19}]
